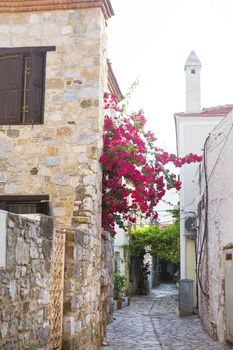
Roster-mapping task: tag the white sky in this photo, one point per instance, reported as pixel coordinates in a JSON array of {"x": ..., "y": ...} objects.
[{"x": 153, "y": 38}]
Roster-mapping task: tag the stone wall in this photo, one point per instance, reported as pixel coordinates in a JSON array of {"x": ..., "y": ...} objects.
[
  {"x": 107, "y": 268},
  {"x": 24, "y": 283},
  {"x": 27, "y": 283},
  {"x": 88, "y": 292},
  {"x": 60, "y": 157},
  {"x": 82, "y": 292},
  {"x": 215, "y": 234}
]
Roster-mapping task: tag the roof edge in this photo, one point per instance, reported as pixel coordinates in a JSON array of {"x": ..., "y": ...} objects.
[
  {"x": 14, "y": 6},
  {"x": 217, "y": 111},
  {"x": 200, "y": 115},
  {"x": 113, "y": 85}
]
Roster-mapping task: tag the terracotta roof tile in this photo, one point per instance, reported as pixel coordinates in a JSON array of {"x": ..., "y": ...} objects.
[{"x": 218, "y": 111}]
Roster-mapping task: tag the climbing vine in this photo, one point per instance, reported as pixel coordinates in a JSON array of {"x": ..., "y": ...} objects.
[
  {"x": 163, "y": 242},
  {"x": 135, "y": 172}
]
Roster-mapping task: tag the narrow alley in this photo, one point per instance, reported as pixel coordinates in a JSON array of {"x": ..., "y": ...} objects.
[{"x": 151, "y": 323}]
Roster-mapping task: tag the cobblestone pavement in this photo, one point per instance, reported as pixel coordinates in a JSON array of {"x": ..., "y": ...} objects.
[{"x": 151, "y": 323}]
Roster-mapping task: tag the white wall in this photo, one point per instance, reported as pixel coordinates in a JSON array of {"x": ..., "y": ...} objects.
[
  {"x": 191, "y": 134},
  {"x": 120, "y": 241},
  {"x": 121, "y": 238},
  {"x": 220, "y": 225}
]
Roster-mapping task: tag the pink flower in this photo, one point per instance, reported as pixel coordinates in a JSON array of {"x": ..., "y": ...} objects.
[{"x": 134, "y": 172}]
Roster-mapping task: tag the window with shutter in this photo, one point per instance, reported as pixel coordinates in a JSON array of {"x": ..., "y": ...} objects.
[
  {"x": 25, "y": 204},
  {"x": 36, "y": 88},
  {"x": 22, "y": 84},
  {"x": 11, "y": 67}
]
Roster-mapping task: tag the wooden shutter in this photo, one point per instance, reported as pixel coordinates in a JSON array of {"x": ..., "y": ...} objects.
[
  {"x": 36, "y": 87},
  {"x": 11, "y": 73}
]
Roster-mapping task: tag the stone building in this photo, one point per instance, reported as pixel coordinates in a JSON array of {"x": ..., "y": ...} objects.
[
  {"x": 53, "y": 73},
  {"x": 215, "y": 239}
]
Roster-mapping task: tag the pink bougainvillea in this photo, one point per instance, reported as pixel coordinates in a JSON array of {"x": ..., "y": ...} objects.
[{"x": 135, "y": 177}]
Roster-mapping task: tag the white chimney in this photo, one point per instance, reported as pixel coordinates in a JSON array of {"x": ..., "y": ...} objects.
[{"x": 193, "y": 89}]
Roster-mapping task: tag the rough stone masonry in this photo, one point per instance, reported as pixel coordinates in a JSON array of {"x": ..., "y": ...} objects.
[
  {"x": 24, "y": 296},
  {"x": 59, "y": 157}
]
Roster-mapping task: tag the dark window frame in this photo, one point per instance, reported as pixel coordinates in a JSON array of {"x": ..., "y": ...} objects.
[
  {"x": 31, "y": 112},
  {"x": 41, "y": 202}
]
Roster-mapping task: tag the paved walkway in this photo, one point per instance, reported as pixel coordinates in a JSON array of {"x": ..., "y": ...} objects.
[{"x": 151, "y": 323}]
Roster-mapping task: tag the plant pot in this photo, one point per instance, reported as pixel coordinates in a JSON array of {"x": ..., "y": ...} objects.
[
  {"x": 114, "y": 305},
  {"x": 119, "y": 304},
  {"x": 125, "y": 301}
]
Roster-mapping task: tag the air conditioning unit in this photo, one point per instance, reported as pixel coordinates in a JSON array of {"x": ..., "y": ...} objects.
[{"x": 190, "y": 224}]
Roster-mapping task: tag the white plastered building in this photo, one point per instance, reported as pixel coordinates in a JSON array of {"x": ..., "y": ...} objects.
[{"x": 192, "y": 129}]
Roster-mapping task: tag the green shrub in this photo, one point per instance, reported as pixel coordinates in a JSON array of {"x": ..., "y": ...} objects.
[{"x": 119, "y": 284}]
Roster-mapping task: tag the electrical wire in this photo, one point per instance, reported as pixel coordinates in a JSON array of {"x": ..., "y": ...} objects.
[
  {"x": 216, "y": 162},
  {"x": 206, "y": 221},
  {"x": 187, "y": 205},
  {"x": 207, "y": 203}
]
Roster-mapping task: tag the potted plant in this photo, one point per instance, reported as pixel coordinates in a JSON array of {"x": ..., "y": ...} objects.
[{"x": 119, "y": 284}]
